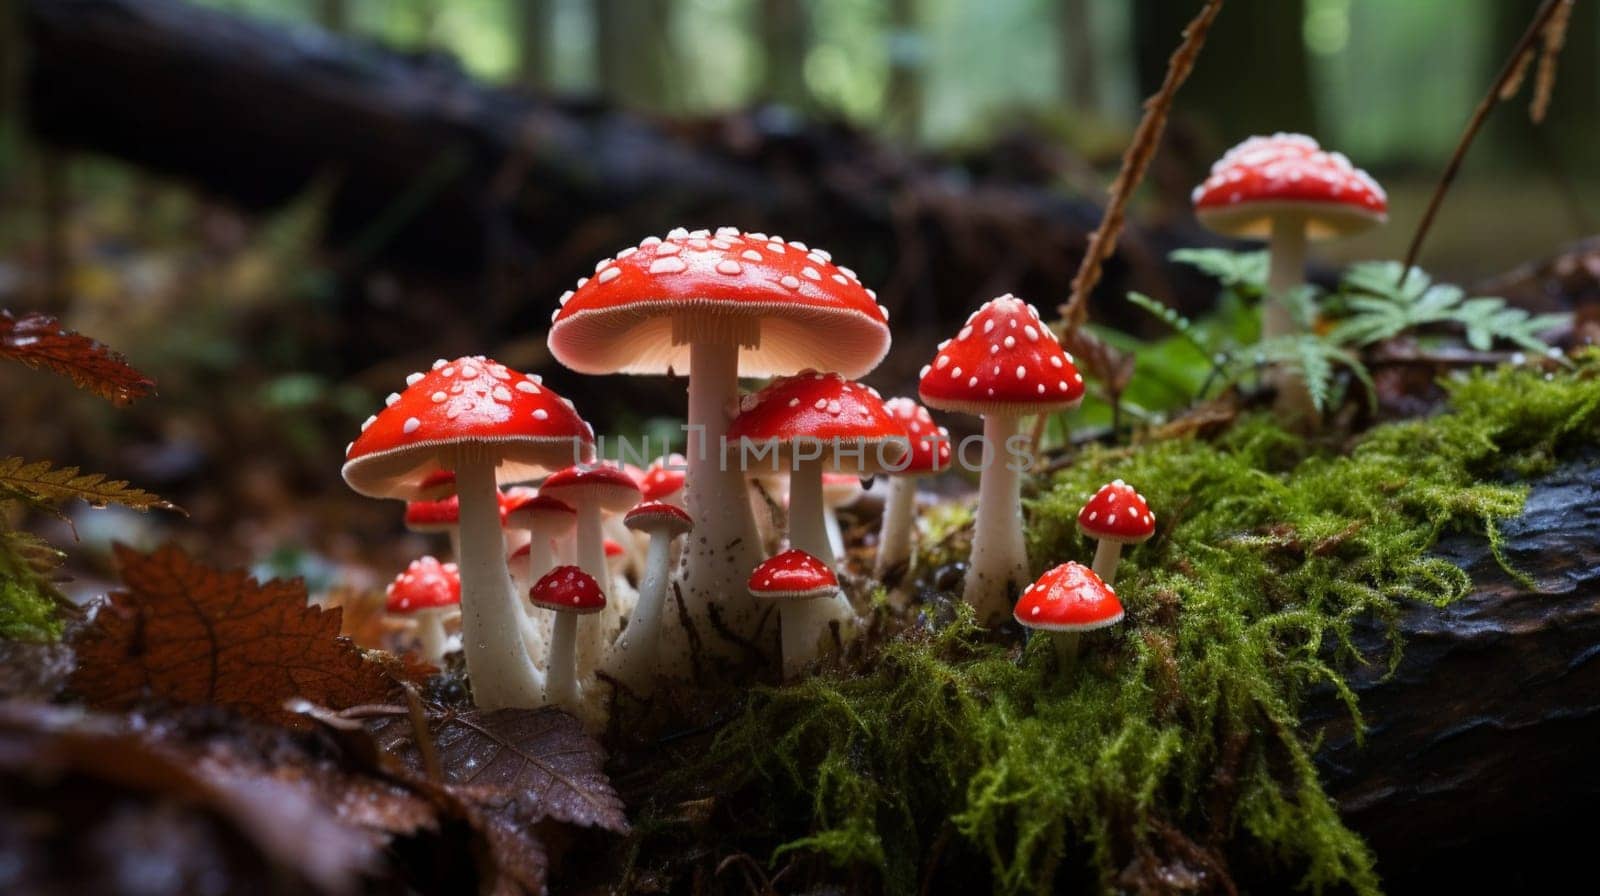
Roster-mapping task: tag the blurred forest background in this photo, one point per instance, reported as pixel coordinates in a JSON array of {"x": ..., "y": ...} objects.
[{"x": 165, "y": 186}]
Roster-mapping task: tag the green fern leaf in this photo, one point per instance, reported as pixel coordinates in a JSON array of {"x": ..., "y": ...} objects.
[{"x": 40, "y": 482}]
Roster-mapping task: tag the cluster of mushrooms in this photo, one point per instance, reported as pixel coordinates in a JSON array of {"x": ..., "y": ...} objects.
[{"x": 506, "y": 466}]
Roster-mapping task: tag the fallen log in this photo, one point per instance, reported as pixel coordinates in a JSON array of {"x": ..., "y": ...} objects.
[{"x": 1477, "y": 766}]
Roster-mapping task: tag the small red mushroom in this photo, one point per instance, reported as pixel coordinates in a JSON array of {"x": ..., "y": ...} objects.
[
  {"x": 1064, "y": 602},
  {"x": 569, "y": 592},
  {"x": 489, "y": 425},
  {"x": 1287, "y": 189},
  {"x": 794, "y": 578},
  {"x": 663, "y": 480},
  {"x": 1004, "y": 365},
  {"x": 427, "y": 591},
  {"x": 930, "y": 454},
  {"x": 432, "y": 517},
  {"x": 636, "y": 655},
  {"x": 593, "y": 491},
  {"x": 1116, "y": 515}
]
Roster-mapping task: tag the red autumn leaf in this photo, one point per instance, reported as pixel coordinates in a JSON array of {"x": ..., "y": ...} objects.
[
  {"x": 39, "y": 341},
  {"x": 185, "y": 633}
]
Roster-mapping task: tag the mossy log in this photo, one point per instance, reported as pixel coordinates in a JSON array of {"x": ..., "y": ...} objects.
[
  {"x": 430, "y": 169},
  {"x": 1478, "y": 762}
]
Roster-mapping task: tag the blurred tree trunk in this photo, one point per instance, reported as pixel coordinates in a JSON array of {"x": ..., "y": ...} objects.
[
  {"x": 1254, "y": 76},
  {"x": 633, "y": 48},
  {"x": 1079, "y": 78},
  {"x": 785, "y": 31},
  {"x": 902, "y": 106},
  {"x": 534, "y": 24}
]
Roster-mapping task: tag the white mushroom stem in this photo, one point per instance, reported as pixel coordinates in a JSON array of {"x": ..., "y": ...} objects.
[
  {"x": 563, "y": 669},
  {"x": 999, "y": 559},
  {"x": 799, "y": 644},
  {"x": 725, "y": 546},
  {"x": 592, "y": 631},
  {"x": 830, "y": 523},
  {"x": 1107, "y": 554},
  {"x": 541, "y": 554},
  {"x": 431, "y": 638},
  {"x": 899, "y": 510},
  {"x": 1066, "y": 645},
  {"x": 805, "y": 623},
  {"x": 1286, "y": 266},
  {"x": 491, "y": 621},
  {"x": 636, "y": 657}
]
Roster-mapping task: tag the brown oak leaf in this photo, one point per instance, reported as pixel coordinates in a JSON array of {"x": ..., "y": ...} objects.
[
  {"x": 39, "y": 341},
  {"x": 185, "y": 633}
]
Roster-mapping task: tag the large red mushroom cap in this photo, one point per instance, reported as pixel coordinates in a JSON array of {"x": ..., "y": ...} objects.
[
  {"x": 640, "y": 311},
  {"x": 658, "y": 517},
  {"x": 568, "y": 589},
  {"x": 426, "y": 584},
  {"x": 1068, "y": 598},
  {"x": 1117, "y": 513},
  {"x": 1288, "y": 174},
  {"x": 613, "y": 489},
  {"x": 930, "y": 442},
  {"x": 664, "y": 478},
  {"x": 793, "y": 575},
  {"x": 467, "y": 407},
  {"x": 823, "y": 407},
  {"x": 1004, "y": 361}
]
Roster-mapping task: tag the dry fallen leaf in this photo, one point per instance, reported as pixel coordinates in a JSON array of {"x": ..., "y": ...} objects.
[
  {"x": 185, "y": 633},
  {"x": 242, "y": 807},
  {"x": 39, "y": 341}
]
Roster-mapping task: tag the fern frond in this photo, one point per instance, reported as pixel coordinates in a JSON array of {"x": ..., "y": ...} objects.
[
  {"x": 40, "y": 481},
  {"x": 41, "y": 342}
]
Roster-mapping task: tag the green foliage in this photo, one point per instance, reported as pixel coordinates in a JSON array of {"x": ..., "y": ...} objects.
[
  {"x": 1373, "y": 304},
  {"x": 1180, "y": 729},
  {"x": 1243, "y": 272}
]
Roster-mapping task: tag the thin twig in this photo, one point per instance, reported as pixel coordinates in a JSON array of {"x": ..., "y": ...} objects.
[
  {"x": 424, "y": 738},
  {"x": 1146, "y": 139},
  {"x": 1511, "y": 72}
]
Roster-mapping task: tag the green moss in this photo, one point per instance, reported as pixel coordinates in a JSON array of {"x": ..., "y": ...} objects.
[{"x": 1176, "y": 742}]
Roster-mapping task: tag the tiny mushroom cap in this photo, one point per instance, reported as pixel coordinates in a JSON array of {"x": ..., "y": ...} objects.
[
  {"x": 823, "y": 407},
  {"x": 639, "y": 311},
  {"x": 840, "y": 489},
  {"x": 1117, "y": 513},
  {"x": 437, "y": 486},
  {"x": 433, "y": 516},
  {"x": 1287, "y": 174},
  {"x": 1068, "y": 598},
  {"x": 568, "y": 589},
  {"x": 471, "y": 407},
  {"x": 930, "y": 442},
  {"x": 527, "y": 512},
  {"x": 656, "y": 517},
  {"x": 609, "y": 487},
  {"x": 520, "y": 553},
  {"x": 426, "y": 584},
  {"x": 1003, "y": 361},
  {"x": 612, "y": 548},
  {"x": 664, "y": 477},
  {"x": 793, "y": 575}
]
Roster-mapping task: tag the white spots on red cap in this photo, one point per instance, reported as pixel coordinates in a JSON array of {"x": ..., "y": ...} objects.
[
  {"x": 609, "y": 274},
  {"x": 669, "y": 264},
  {"x": 391, "y": 399},
  {"x": 668, "y": 249},
  {"x": 412, "y": 424},
  {"x": 810, "y": 273},
  {"x": 730, "y": 267},
  {"x": 527, "y": 386},
  {"x": 412, "y": 378},
  {"x": 1287, "y": 167},
  {"x": 439, "y": 363},
  {"x": 790, "y": 281},
  {"x": 627, "y": 252},
  {"x": 541, "y": 414},
  {"x": 750, "y": 255},
  {"x": 438, "y": 397},
  {"x": 367, "y": 423}
]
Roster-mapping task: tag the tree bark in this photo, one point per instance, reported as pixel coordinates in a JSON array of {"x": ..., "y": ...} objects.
[{"x": 1483, "y": 740}]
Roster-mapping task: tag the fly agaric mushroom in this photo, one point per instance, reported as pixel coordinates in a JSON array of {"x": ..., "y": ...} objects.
[
  {"x": 545, "y": 519},
  {"x": 636, "y": 654},
  {"x": 1004, "y": 365},
  {"x": 663, "y": 480},
  {"x": 929, "y": 454},
  {"x": 719, "y": 306},
  {"x": 794, "y": 578},
  {"x": 434, "y": 517},
  {"x": 488, "y": 424},
  {"x": 569, "y": 592},
  {"x": 1116, "y": 515},
  {"x": 1287, "y": 189},
  {"x": 437, "y": 486},
  {"x": 427, "y": 591},
  {"x": 593, "y": 490},
  {"x": 839, "y": 490},
  {"x": 1066, "y": 601}
]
